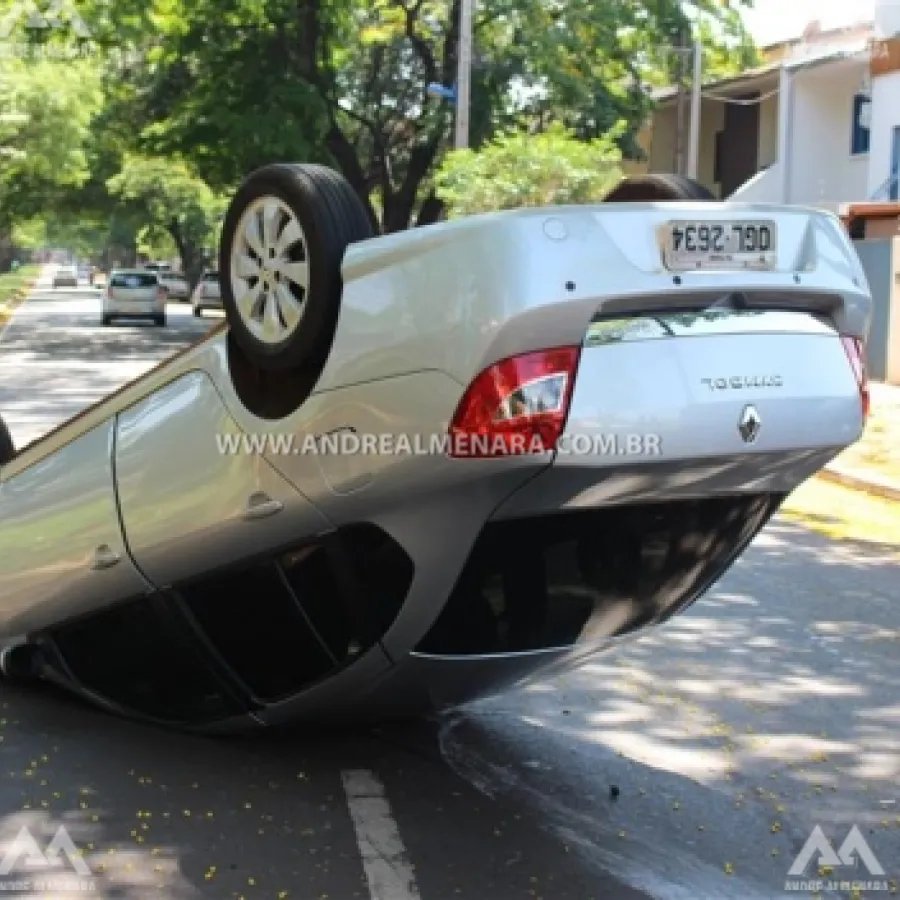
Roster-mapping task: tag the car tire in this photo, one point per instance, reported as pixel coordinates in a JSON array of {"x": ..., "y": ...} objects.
[
  {"x": 159, "y": 321},
  {"x": 325, "y": 215},
  {"x": 7, "y": 447},
  {"x": 658, "y": 188}
]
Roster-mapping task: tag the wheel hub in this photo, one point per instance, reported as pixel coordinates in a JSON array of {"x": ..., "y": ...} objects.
[{"x": 269, "y": 264}]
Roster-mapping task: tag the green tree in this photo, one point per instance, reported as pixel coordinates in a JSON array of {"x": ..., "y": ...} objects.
[
  {"x": 171, "y": 199},
  {"x": 521, "y": 169},
  {"x": 47, "y": 111},
  {"x": 233, "y": 84}
]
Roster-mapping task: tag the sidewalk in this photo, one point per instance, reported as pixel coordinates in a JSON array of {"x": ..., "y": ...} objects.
[{"x": 873, "y": 463}]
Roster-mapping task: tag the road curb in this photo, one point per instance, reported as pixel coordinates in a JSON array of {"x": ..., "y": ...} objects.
[{"x": 885, "y": 491}]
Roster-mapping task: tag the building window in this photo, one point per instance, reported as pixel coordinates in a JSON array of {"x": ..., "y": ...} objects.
[{"x": 860, "y": 126}]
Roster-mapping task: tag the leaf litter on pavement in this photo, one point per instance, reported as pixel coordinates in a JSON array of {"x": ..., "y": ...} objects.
[{"x": 845, "y": 514}]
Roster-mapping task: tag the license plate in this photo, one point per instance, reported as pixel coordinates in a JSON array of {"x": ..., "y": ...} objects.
[{"x": 698, "y": 245}]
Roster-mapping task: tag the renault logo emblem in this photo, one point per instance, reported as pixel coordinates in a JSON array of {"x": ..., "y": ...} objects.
[{"x": 749, "y": 424}]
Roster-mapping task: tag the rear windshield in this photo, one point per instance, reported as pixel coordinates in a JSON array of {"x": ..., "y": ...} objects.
[
  {"x": 135, "y": 280},
  {"x": 211, "y": 276}
]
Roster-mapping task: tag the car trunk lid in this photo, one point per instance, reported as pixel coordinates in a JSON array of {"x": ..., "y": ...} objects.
[{"x": 710, "y": 383}]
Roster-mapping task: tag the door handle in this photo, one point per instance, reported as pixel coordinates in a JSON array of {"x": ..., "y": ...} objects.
[
  {"x": 105, "y": 557},
  {"x": 260, "y": 506}
]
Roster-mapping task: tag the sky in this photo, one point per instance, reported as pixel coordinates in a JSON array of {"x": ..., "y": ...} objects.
[{"x": 776, "y": 20}]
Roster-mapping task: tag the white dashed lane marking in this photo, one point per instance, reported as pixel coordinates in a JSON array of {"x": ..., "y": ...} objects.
[{"x": 385, "y": 862}]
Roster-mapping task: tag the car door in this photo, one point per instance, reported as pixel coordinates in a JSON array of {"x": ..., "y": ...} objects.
[
  {"x": 62, "y": 551},
  {"x": 189, "y": 505}
]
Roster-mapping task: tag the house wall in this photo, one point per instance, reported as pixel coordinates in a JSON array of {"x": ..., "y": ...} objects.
[
  {"x": 885, "y": 117},
  {"x": 823, "y": 172}
]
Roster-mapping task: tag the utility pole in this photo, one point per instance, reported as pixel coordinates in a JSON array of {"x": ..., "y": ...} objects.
[
  {"x": 464, "y": 75},
  {"x": 680, "y": 109},
  {"x": 693, "y": 155}
]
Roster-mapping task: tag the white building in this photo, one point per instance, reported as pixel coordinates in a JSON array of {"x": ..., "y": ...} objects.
[{"x": 818, "y": 125}]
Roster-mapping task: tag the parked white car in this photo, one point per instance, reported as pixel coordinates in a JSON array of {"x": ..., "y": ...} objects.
[
  {"x": 207, "y": 294},
  {"x": 176, "y": 285},
  {"x": 134, "y": 294},
  {"x": 65, "y": 276}
]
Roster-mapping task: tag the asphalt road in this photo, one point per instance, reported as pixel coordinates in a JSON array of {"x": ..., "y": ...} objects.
[{"x": 769, "y": 708}]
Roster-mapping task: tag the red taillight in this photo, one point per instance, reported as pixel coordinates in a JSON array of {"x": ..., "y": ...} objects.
[
  {"x": 518, "y": 405},
  {"x": 856, "y": 353}
]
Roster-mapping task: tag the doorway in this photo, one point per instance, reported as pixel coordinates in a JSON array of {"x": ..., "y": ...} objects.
[{"x": 738, "y": 147}]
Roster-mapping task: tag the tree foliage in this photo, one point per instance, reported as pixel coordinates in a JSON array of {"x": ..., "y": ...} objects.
[
  {"x": 519, "y": 169},
  {"x": 224, "y": 86},
  {"x": 46, "y": 118},
  {"x": 232, "y": 84},
  {"x": 171, "y": 199}
]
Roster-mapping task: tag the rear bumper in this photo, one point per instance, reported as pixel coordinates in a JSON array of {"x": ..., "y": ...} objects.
[
  {"x": 714, "y": 384},
  {"x": 136, "y": 309}
]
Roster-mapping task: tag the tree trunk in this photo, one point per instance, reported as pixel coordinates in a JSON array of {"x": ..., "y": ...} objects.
[
  {"x": 192, "y": 257},
  {"x": 432, "y": 210}
]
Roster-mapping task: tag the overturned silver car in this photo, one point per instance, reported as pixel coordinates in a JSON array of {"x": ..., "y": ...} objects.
[{"x": 612, "y": 401}]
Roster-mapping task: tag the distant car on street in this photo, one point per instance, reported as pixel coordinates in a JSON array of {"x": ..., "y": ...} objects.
[
  {"x": 176, "y": 286},
  {"x": 134, "y": 294},
  {"x": 207, "y": 294},
  {"x": 65, "y": 276}
]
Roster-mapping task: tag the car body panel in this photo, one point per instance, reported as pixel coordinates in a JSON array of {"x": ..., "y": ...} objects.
[
  {"x": 533, "y": 278},
  {"x": 206, "y": 354},
  {"x": 56, "y": 515},
  {"x": 187, "y": 518}
]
